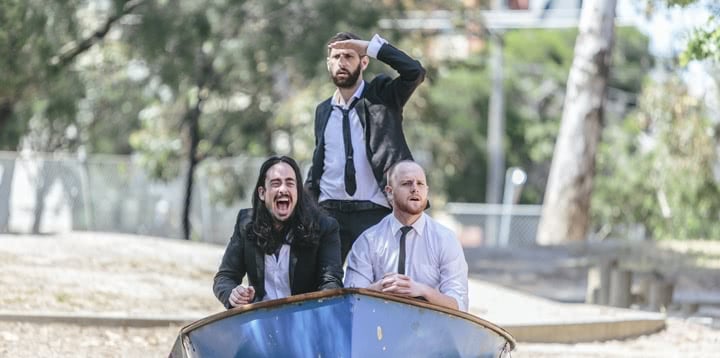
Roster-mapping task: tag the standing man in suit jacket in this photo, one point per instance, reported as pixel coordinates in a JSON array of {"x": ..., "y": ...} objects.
[
  {"x": 284, "y": 244},
  {"x": 358, "y": 133}
]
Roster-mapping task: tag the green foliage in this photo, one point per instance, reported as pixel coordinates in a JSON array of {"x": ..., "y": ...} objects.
[
  {"x": 703, "y": 44},
  {"x": 57, "y": 102},
  {"x": 258, "y": 69},
  {"x": 459, "y": 143},
  {"x": 159, "y": 150},
  {"x": 253, "y": 71},
  {"x": 681, "y": 2},
  {"x": 657, "y": 168},
  {"x": 30, "y": 85},
  {"x": 536, "y": 65}
]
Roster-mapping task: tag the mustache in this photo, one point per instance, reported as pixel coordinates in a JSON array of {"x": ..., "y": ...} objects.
[{"x": 282, "y": 196}]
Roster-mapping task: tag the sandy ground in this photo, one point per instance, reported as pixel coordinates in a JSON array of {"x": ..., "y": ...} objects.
[
  {"x": 680, "y": 339},
  {"x": 139, "y": 276}
]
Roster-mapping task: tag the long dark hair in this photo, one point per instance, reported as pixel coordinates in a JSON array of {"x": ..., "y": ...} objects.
[{"x": 303, "y": 223}]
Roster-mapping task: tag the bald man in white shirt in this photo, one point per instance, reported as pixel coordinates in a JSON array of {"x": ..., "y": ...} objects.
[{"x": 408, "y": 253}]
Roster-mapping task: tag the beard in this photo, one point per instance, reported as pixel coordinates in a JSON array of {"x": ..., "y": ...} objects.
[
  {"x": 349, "y": 81},
  {"x": 412, "y": 208}
]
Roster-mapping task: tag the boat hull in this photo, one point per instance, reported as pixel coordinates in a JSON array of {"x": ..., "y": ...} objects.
[{"x": 342, "y": 323}]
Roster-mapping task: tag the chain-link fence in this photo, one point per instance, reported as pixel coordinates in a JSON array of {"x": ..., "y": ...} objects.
[
  {"x": 47, "y": 193},
  {"x": 495, "y": 224}
]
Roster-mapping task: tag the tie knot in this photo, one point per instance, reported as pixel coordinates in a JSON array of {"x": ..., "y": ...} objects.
[
  {"x": 350, "y": 107},
  {"x": 405, "y": 230}
]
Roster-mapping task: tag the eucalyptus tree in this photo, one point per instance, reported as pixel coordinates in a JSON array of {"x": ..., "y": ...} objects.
[{"x": 566, "y": 207}]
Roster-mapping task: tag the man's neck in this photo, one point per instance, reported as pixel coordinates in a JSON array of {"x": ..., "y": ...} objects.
[
  {"x": 347, "y": 93},
  {"x": 406, "y": 219},
  {"x": 279, "y": 226}
]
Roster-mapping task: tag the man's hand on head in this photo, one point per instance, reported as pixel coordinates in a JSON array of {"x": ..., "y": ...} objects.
[
  {"x": 359, "y": 46},
  {"x": 241, "y": 295}
]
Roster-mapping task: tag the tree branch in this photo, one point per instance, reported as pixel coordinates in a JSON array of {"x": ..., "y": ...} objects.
[{"x": 67, "y": 56}]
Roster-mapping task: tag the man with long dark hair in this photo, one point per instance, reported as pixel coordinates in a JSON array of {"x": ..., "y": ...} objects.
[
  {"x": 358, "y": 132},
  {"x": 284, "y": 244}
]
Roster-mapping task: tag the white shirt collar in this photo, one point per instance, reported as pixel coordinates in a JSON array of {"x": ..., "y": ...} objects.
[
  {"x": 418, "y": 225},
  {"x": 337, "y": 99}
]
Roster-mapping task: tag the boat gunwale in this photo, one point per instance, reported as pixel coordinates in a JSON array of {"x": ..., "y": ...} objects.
[{"x": 318, "y": 295}]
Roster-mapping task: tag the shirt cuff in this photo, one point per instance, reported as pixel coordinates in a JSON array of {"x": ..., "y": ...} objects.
[
  {"x": 461, "y": 302},
  {"x": 374, "y": 46}
]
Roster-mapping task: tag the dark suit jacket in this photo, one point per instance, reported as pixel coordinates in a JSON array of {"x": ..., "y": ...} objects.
[
  {"x": 311, "y": 268},
  {"x": 380, "y": 112}
]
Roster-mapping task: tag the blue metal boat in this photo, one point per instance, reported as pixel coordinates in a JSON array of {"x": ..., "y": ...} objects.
[{"x": 342, "y": 323}]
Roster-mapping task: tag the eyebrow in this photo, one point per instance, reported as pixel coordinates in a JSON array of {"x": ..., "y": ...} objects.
[{"x": 282, "y": 179}]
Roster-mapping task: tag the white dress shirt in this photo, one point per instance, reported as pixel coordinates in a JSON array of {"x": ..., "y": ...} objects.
[
  {"x": 433, "y": 256},
  {"x": 277, "y": 274},
  {"x": 332, "y": 181}
]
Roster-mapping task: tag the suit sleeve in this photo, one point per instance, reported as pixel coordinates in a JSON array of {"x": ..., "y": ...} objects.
[
  {"x": 329, "y": 264},
  {"x": 396, "y": 92},
  {"x": 311, "y": 186},
  {"x": 232, "y": 268}
]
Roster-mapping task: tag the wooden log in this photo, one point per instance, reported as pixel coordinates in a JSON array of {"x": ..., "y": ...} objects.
[
  {"x": 605, "y": 267},
  {"x": 620, "y": 286},
  {"x": 592, "y": 294},
  {"x": 690, "y": 308},
  {"x": 641, "y": 288},
  {"x": 661, "y": 291}
]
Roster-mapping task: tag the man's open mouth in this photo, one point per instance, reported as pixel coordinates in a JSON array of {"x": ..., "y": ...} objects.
[{"x": 283, "y": 204}]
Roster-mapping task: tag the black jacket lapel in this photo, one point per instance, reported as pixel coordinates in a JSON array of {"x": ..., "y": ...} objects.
[
  {"x": 323, "y": 117},
  {"x": 260, "y": 269},
  {"x": 361, "y": 108},
  {"x": 291, "y": 269}
]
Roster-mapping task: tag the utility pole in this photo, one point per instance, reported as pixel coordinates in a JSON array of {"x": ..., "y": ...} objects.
[
  {"x": 496, "y": 122},
  {"x": 495, "y": 135}
]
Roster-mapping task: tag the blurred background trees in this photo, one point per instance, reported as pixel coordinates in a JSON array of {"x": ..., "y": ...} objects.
[{"x": 173, "y": 83}]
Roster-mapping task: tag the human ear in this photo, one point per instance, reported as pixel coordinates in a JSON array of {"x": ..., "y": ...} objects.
[
  {"x": 364, "y": 61},
  {"x": 261, "y": 193}
]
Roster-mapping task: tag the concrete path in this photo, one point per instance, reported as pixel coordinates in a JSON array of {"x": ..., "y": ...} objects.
[
  {"x": 529, "y": 318},
  {"x": 534, "y": 319},
  {"x": 101, "y": 279}
]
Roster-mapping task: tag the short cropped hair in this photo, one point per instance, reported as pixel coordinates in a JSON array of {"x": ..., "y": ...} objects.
[{"x": 391, "y": 171}]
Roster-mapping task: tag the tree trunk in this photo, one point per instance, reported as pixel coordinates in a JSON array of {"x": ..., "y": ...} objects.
[
  {"x": 565, "y": 214},
  {"x": 205, "y": 77},
  {"x": 193, "y": 118},
  {"x": 8, "y": 169},
  {"x": 43, "y": 183}
]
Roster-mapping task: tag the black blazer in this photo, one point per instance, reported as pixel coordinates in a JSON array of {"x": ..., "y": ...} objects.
[
  {"x": 311, "y": 268},
  {"x": 380, "y": 112}
]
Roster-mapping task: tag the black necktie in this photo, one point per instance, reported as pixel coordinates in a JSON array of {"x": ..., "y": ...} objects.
[
  {"x": 401, "y": 259},
  {"x": 350, "y": 184}
]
